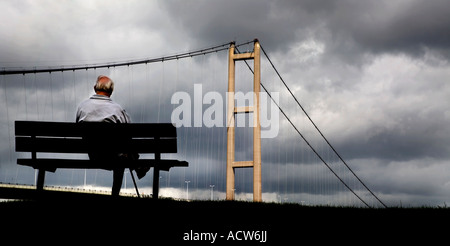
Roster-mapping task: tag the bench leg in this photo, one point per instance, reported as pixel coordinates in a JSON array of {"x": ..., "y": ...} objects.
[
  {"x": 40, "y": 180},
  {"x": 155, "y": 183},
  {"x": 117, "y": 181}
]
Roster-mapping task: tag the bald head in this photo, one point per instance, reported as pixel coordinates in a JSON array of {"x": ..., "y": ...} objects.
[{"x": 104, "y": 86}]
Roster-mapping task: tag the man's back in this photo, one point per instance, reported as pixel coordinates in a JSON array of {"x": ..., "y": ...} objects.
[{"x": 99, "y": 108}]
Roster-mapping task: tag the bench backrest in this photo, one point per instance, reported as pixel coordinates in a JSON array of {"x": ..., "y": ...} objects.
[{"x": 66, "y": 137}]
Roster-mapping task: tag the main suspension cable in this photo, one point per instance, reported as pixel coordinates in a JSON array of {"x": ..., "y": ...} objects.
[
  {"x": 320, "y": 132},
  {"x": 204, "y": 51}
]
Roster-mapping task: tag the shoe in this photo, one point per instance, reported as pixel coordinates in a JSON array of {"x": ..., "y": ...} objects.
[{"x": 141, "y": 171}]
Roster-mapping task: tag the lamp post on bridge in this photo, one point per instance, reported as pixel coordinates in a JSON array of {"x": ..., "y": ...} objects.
[
  {"x": 187, "y": 189},
  {"x": 212, "y": 191}
]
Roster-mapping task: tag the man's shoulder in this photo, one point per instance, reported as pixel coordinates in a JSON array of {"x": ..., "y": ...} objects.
[
  {"x": 115, "y": 105},
  {"x": 83, "y": 104}
]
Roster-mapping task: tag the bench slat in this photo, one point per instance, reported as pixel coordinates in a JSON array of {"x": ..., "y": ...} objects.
[
  {"x": 79, "y": 145},
  {"x": 69, "y": 129}
]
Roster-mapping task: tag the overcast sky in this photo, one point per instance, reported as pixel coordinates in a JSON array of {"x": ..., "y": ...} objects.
[{"x": 373, "y": 75}]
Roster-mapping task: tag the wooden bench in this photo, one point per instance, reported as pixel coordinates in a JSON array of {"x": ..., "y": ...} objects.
[{"x": 67, "y": 138}]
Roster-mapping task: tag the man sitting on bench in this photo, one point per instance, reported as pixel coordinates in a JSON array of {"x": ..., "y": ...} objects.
[{"x": 100, "y": 108}]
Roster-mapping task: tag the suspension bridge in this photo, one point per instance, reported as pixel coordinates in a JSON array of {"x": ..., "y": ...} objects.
[{"x": 297, "y": 164}]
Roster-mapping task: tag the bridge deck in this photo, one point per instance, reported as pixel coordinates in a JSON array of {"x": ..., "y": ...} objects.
[{"x": 27, "y": 192}]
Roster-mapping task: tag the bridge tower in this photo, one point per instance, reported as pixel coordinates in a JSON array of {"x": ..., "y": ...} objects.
[{"x": 232, "y": 110}]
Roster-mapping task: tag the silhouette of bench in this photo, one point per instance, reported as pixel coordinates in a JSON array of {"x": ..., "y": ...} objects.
[{"x": 64, "y": 139}]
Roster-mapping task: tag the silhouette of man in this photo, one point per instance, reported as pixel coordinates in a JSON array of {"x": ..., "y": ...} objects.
[{"x": 100, "y": 108}]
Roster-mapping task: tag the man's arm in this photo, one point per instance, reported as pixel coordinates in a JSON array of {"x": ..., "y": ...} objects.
[
  {"x": 125, "y": 116},
  {"x": 78, "y": 115}
]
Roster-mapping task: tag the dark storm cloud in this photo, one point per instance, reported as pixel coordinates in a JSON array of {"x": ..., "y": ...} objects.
[
  {"x": 381, "y": 27},
  {"x": 349, "y": 28},
  {"x": 414, "y": 138},
  {"x": 221, "y": 21}
]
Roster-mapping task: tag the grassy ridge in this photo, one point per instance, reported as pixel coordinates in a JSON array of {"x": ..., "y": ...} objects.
[{"x": 166, "y": 220}]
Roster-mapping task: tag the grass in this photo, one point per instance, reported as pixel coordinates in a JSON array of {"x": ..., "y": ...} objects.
[{"x": 167, "y": 220}]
